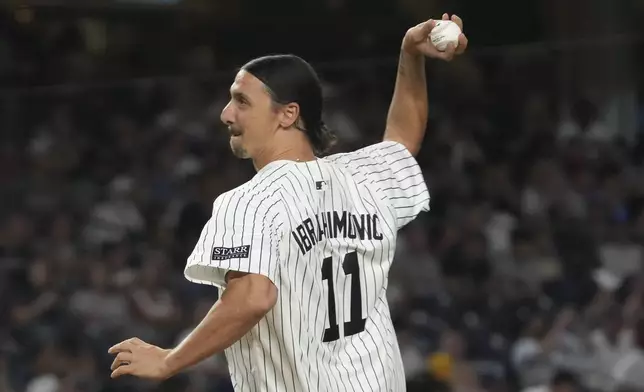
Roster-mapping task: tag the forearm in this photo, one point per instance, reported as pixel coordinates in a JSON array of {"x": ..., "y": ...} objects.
[
  {"x": 229, "y": 320},
  {"x": 407, "y": 118}
]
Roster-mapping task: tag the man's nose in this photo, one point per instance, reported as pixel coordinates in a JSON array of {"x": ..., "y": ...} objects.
[{"x": 227, "y": 114}]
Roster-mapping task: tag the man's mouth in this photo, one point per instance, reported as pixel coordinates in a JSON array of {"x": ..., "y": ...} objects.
[{"x": 234, "y": 132}]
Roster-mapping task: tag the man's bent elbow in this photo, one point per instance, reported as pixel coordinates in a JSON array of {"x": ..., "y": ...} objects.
[
  {"x": 263, "y": 295},
  {"x": 260, "y": 294}
]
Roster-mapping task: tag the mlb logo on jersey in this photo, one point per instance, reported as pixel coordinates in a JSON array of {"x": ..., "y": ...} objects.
[
  {"x": 321, "y": 185},
  {"x": 237, "y": 252}
]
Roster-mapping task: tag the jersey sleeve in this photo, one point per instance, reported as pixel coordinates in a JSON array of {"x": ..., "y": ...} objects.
[
  {"x": 395, "y": 173},
  {"x": 243, "y": 234}
]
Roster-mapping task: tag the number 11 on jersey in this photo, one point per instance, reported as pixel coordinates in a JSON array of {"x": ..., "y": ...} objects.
[{"x": 356, "y": 323}]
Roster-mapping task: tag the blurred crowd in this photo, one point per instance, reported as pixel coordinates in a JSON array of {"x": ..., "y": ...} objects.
[{"x": 526, "y": 275}]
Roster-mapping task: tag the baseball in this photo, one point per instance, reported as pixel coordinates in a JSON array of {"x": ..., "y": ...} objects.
[{"x": 444, "y": 32}]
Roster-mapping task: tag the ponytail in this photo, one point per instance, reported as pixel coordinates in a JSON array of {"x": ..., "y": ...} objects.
[{"x": 321, "y": 137}]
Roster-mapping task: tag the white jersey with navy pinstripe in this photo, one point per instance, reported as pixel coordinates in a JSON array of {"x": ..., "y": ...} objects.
[{"x": 324, "y": 232}]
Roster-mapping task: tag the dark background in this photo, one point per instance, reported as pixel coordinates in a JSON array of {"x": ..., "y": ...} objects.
[{"x": 112, "y": 153}]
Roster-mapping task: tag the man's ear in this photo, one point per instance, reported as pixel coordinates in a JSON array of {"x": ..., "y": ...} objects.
[{"x": 289, "y": 115}]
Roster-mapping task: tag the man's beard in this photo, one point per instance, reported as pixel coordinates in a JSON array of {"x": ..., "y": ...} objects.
[{"x": 238, "y": 150}]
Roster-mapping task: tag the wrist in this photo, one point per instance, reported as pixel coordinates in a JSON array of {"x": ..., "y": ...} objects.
[
  {"x": 409, "y": 52},
  {"x": 408, "y": 46},
  {"x": 169, "y": 364},
  {"x": 408, "y": 49}
]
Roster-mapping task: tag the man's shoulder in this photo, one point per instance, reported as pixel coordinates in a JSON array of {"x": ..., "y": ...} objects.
[
  {"x": 248, "y": 191},
  {"x": 255, "y": 194},
  {"x": 372, "y": 151}
]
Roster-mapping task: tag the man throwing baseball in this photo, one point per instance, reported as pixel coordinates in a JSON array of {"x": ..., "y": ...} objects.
[{"x": 301, "y": 252}]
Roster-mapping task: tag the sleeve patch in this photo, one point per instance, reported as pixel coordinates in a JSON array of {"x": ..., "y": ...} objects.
[{"x": 237, "y": 252}]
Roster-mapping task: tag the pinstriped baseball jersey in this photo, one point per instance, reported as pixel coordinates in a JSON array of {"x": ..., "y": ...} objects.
[{"x": 324, "y": 232}]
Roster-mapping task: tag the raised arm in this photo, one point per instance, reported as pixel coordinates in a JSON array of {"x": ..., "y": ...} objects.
[{"x": 407, "y": 118}]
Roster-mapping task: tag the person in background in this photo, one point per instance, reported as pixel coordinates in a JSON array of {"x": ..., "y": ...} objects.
[
  {"x": 613, "y": 338},
  {"x": 532, "y": 353},
  {"x": 450, "y": 365},
  {"x": 628, "y": 372},
  {"x": 562, "y": 381}
]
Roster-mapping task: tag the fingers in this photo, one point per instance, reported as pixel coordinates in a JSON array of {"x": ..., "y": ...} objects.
[
  {"x": 449, "y": 52},
  {"x": 122, "y": 364},
  {"x": 121, "y": 359},
  {"x": 426, "y": 28},
  {"x": 122, "y": 371},
  {"x": 456, "y": 19},
  {"x": 462, "y": 44},
  {"x": 125, "y": 345}
]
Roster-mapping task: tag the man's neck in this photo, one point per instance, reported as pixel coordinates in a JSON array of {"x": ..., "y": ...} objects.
[
  {"x": 294, "y": 149},
  {"x": 287, "y": 155}
]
